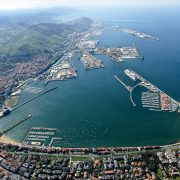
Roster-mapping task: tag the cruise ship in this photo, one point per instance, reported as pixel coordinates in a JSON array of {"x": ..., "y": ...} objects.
[{"x": 130, "y": 74}]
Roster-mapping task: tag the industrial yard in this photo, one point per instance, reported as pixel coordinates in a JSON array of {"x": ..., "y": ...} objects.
[
  {"x": 139, "y": 34},
  {"x": 90, "y": 61},
  {"x": 120, "y": 54},
  {"x": 62, "y": 71}
]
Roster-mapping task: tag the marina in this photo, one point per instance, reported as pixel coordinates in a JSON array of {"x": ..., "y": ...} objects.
[
  {"x": 166, "y": 103},
  {"x": 150, "y": 100},
  {"x": 39, "y": 136}
]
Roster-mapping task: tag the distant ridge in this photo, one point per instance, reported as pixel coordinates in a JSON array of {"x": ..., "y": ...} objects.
[{"x": 41, "y": 38}]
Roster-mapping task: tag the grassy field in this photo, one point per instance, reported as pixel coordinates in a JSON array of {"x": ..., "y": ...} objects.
[{"x": 12, "y": 101}]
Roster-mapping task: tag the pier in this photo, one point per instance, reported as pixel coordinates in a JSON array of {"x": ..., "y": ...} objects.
[
  {"x": 54, "y": 139},
  {"x": 129, "y": 88},
  {"x": 16, "y": 124},
  {"x": 44, "y": 92}
]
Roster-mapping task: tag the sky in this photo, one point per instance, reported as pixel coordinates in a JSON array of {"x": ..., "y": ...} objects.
[{"x": 21, "y": 4}]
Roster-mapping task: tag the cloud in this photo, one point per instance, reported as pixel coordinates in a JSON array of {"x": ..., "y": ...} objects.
[{"x": 19, "y": 4}]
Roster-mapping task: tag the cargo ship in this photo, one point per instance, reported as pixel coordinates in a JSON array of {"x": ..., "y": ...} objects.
[{"x": 130, "y": 74}]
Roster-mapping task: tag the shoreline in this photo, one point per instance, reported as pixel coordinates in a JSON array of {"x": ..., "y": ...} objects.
[{"x": 8, "y": 140}]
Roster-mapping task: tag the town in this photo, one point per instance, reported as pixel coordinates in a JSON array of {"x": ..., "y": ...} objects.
[{"x": 148, "y": 162}]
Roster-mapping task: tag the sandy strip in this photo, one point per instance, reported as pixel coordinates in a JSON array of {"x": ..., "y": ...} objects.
[{"x": 6, "y": 139}]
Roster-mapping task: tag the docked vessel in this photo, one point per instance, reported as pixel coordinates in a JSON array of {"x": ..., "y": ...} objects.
[
  {"x": 4, "y": 112},
  {"x": 130, "y": 74}
]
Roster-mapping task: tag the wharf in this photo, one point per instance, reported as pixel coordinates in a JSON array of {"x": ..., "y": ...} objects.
[
  {"x": 16, "y": 124},
  {"x": 91, "y": 62}
]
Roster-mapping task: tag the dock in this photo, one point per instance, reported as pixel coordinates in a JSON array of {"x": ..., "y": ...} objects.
[
  {"x": 90, "y": 61},
  {"x": 14, "y": 125}
]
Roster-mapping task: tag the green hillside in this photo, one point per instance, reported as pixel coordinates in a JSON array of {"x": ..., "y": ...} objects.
[{"x": 40, "y": 38}]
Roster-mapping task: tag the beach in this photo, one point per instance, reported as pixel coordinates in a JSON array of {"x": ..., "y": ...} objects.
[{"x": 6, "y": 139}]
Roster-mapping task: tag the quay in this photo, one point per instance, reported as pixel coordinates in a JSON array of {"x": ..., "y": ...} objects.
[
  {"x": 16, "y": 124},
  {"x": 138, "y": 34},
  {"x": 91, "y": 62}
]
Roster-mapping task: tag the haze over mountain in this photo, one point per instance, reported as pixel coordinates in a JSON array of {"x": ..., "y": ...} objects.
[
  {"x": 18, "y": 4},
  {"x": 40, "y": 38}
]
